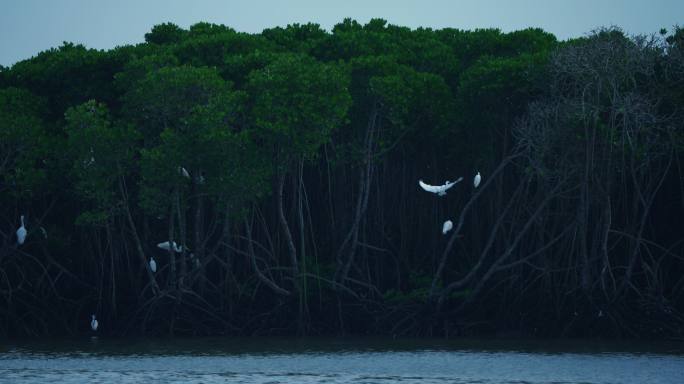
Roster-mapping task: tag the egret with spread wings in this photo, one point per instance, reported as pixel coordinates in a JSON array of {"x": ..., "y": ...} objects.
[{"x": 440, "y": 190}]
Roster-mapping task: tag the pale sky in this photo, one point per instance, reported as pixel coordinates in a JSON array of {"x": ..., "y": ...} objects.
[{"x": 30, "y": 26}]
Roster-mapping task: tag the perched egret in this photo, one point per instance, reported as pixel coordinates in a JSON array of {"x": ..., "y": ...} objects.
[
  {"x": 440, "y": 190},
  {"x": 183, "y": 172},
  {"x": 477, "y": 179},
  {"x": 170, "y": 246},
  {"x": 93, "y": 323},
  {"x": 21, "y": 232},
  {"x": 44, "y": 232},
  {"x": 446, "y": 227},
  {"x": 153, "y": 264}
]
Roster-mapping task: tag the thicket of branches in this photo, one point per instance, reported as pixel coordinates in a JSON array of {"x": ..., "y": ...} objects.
[{"x": 301, "y": 213}]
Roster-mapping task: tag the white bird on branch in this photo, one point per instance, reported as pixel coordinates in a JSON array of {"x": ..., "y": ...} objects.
[
  {"x": 183, "y": 172},
  {"x": 170, "y": 246},
  {"x": 93, "y": 323},
  {"x": 446, "y": 227},
  {"x": 21, "y": 232},
  {"x": 153, "y": 265},
  {"x": 477, "y": 179},
  {"x": 440, "y": 190}
]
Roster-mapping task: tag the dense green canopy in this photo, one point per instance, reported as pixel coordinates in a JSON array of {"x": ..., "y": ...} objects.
[{"x": 286, "y": 165}]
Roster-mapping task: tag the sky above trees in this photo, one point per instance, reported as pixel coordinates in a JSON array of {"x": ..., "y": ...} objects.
[{"x": 30, "y": 26}]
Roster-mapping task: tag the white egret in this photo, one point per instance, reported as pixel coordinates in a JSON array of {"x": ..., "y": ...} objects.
[
  {"x": 44, "y": 232},
  {"x": 93, "y": 323},
  {"x": 440, "y": 190},
  {"x": 170, "y": 246},
  {"x": 446, "y": 227},
  {"x": 21, "y": 232},
  {"x": 476, "y": 180},
  {"x": 153, "y": 264},
  {"x": 183, "y": 172}
]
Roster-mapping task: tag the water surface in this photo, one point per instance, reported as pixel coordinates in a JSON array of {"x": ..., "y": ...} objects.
[{"x": 265, "y": 360}]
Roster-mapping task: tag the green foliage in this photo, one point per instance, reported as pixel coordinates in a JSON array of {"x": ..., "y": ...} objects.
[
  {"x": 67, "y": 76},
  {"x": 302, "y": 38},
  {"x": 138, "y": 67},
  {"x": 296, "y": 103},
  {"x": 236, "y": 169},
  {"x": 221, "y": 160},
  {"x": 24, "y": 145},
  {"x": 101, "y": 154},
  {"x": 211, "y": 47},
  {"x": 165, "y": 98},
  {"x": 190, "y": 118},
  {"x": 166, "y": 33},
  {"x": 86, "y": 135}
]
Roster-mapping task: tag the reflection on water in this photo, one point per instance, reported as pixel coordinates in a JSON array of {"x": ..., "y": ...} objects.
[{"x": 218, "y": 360}]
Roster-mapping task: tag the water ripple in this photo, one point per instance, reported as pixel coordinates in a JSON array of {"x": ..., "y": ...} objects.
[{"x": 135, "y": 363}]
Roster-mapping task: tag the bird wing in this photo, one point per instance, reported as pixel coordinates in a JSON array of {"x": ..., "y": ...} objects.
[
  {"x": 183, "y": 172},
  {"x": 429, "y": 188},
  {"x": 451, "y": 184}
]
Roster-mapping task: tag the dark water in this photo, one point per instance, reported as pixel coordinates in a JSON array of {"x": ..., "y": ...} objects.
[{"x": 338, "y": 361}]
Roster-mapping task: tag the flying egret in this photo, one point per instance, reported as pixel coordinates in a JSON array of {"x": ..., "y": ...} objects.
[
  {"x": 93, "y": 323},
  {"x": 440, "y": 190},
  {"x": 21, "y": 232},
  {"x": 477, "y": 179},
  {"x": 446, "y": 227},
  {"x": 153, "y": 264},
  {"x": 183, "y": 172},
  {"x": 170, "y": 246}
]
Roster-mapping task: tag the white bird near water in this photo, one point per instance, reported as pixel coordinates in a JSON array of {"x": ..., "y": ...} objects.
[
  {"x": 440, "y": 190},
  {"x": 447, "y": 226},
  {"x": 476, "y": 180},
  {"x": 153, "y": 265},
  {"x": 93, "y": 323},
  {"x": 170, "y": 246},
  {"x": 21, "y": 232}
]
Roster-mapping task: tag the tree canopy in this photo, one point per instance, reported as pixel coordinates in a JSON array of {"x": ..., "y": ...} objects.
[{"x": 284, "y": 165}]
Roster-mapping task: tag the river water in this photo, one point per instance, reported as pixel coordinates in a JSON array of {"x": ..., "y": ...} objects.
[{"x": 262, "y": 360}]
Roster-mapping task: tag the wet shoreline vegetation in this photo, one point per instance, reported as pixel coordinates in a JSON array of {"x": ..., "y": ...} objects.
[{"x": 285, "y": 164}]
